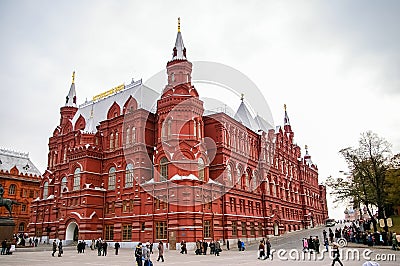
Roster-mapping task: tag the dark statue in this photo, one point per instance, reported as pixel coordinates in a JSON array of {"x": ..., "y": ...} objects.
[{"x": 8, "y": 203}]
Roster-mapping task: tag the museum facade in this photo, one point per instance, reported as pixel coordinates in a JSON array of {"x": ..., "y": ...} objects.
[{"x": 134, "y": 165}]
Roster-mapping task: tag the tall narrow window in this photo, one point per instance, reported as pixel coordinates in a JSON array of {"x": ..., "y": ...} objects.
[
  {"x": 111, "y": 141},
  {"x": 133, "y": 135},
  {"x": 163, "y": 169},
  {"x": 207, "y": 229},
  {"x": 129, "y": 175},
  {"x": 169, "y": 128},
  {"x": 201, "y": 169},
  {"x": 116, "y": 139},
  {"x": 63, "y": 184},
  {"x": 45, "y": 190},
  {"x": 127, "y": 232},
  {"x": 109, "y": 232},
  {"x": 229, "y": 172},
  {"x": 77, "y": 179},
  {"x": 65, "y": 155},
  {"x": 234, "y": 228},
  {"x": 195, "y": 128},
  {"x": 12, "y": 189},
  {"x": 161, "y": 230},
  {"x": 111, "y": 178},
  {"x": 128, "y": 136}
]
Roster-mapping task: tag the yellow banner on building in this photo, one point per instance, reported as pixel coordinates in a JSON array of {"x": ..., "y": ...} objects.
[{"x": 109, "y": 92}]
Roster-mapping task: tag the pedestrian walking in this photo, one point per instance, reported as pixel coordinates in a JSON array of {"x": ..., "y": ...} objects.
[
  {"x": 394, "y": 241},
  {"x": 146, "y": 254},
  {"x": 268, "y": 247},
  {"x": 99, "y": 246},
  {"x": 104, "y": 248},
  {"x": 212, "y": 247},
  {"x": 205, "y": 246},
  {"x": 239, "y": 245},
  {"x": 324, "y": 233},
  {"x": 183, "y": 247},
  {"x": 227, "y": 244},
  {"x": 138, "y": 254},
  {"x": 60, "y": 249},
  {"x": 161, "y": 251},
  {"x": 116, "y": 246},
  {"x": 261, "y": 249},
  {"x": 316, "y": 244},
  {"x": 3, "y": 247},
  {"x": 217, "y": 248},
  {"x": 326, "y": 244},
  {"x": 336, "y": 254},
  {"x": 54, "y": 248}
]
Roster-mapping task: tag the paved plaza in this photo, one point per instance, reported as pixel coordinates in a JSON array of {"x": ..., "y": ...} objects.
[
  {"x": 289, "y": 243},
  {"x": 126, "y": 257}
]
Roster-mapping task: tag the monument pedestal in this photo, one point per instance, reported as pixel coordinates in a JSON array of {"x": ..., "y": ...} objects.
[{"x": 6, "y": 228}]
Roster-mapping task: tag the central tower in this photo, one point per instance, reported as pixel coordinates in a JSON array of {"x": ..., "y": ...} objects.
[{"x": 180, "y": 152}]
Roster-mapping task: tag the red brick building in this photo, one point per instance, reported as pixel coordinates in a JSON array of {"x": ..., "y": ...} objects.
[
  {"x": 125, "y": 170},
  {"x": 21, "y": 182}
]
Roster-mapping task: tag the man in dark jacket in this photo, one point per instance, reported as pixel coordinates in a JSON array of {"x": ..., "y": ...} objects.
[
  {"x": 54, "y": 248},
  {"x": 138, "y": 254},
  {"x": 116, "y": 246},
  {"x": 205, "y": 246}
]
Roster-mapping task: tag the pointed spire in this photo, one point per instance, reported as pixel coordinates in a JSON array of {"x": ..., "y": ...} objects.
[
  {"x": 286, "y": 119},
  {"x": 242, "y": 97},
  {"x": 306, "y": 148},
  {"x": 179, "y": 51},
  {"x": 71, "y": 97}
]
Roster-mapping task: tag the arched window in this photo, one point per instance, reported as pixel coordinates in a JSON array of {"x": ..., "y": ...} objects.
[
  {"x": 229, "y": 172},
  {"x": 111, "y": 141},
  {"x": 163, "y": 169},
  {"x": 128, "y": 136},
  {"x": 116, "y": 139},
  {"x": 12, "y": 189},
  {"x": 201, "y": 169},
  {"x": 129, "y": 175},
  {"x": 63, "y": 184},
  {"x": 77, "y": 179},
  {"x": 45, "y": 190},
  {"x": 111, "y": 178}
]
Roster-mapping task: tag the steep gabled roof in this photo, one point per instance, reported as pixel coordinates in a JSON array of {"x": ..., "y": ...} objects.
[{"x": 10, "y": 159}]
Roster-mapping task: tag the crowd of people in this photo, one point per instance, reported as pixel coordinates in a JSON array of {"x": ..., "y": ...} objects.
[
  {"x": 202, "y": 247},
  {"x": 355, "y": 233}
]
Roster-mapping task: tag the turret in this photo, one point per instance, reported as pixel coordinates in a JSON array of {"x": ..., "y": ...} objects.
[{"x": 69, "y": 109}]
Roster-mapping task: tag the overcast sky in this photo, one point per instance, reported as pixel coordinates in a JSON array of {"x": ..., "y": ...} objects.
[{"x": 336, "y": 64}]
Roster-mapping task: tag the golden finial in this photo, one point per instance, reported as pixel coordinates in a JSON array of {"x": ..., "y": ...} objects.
[
  {"x": 73, "y": 77},
  {"x": 284, "y": 106},
  {"x": 242, "y": 97},
  {"x": 179, "y": 24},
  {"x": 306, "y": 147}
]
